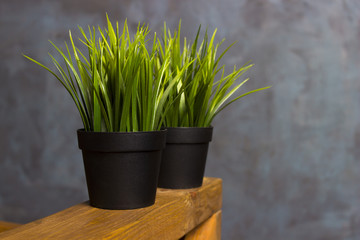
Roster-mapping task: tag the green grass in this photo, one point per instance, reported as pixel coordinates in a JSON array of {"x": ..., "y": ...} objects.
[
  {"x": 118, "y": 85},
  {"x": 204, "y": 90}
]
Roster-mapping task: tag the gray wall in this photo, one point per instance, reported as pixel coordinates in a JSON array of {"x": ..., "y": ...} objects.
[{"x": 289, "y": 156}]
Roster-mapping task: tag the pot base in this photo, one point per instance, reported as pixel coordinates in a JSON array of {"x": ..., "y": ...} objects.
[
  {"x": 184, "y": 157},
  {"x": 183, "y": 166},
  {"x": 121, "y": 169},
  {"x": 121, "y": 180}
]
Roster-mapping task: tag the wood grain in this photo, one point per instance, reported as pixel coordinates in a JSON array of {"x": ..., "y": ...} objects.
[
  {"x": 209, "y": 230},
  {"x": 175, "y": 213},
  {"x": 4, "y": 226}
]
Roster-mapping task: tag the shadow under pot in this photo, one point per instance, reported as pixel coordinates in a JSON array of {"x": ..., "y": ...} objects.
[
  {"x": 121, "y": 168},
  {"x": 184, "y": 157}
]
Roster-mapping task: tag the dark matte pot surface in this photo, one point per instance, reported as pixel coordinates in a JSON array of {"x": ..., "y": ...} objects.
[
  {"x": 184, "y": 157},
  {"x": 121, "y": 168}
]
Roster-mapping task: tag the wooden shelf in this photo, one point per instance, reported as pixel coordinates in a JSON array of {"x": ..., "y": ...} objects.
[
  {"x": 175, "y": 213},
  {"x": 5, "y": 226}
]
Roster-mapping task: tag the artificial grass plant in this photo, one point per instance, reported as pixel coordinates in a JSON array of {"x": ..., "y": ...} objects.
[
  {"x": 198, "y": 97},
  {"x": 120, "y": 85}
]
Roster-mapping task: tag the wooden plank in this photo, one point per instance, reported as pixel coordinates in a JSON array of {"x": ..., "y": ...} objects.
[
  {"x": 209, "y": 230},
  {"x": 4, "y": 226},
  {"x": 175, "y": 213}
]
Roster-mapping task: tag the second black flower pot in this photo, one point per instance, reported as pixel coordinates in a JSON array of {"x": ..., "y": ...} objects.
[
  {"x": 121, "y": 168},
  {"x": 184, "y": 157}
]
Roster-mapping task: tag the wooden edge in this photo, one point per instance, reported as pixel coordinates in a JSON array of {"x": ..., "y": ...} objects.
[
  {"x": 209, "y": 230},
  {"x": 175, "y": 213},
  {"x": 4, "y": 226}
]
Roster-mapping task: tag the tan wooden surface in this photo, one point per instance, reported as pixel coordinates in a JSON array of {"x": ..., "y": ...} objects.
[
  {"x": 175, "y": 213},
  {"x": 208, "y": 230},
  {"x": 4, "y": 226}
]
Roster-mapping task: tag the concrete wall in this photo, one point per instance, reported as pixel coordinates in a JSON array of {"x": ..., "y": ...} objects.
[{"x": 289, "y": 157}]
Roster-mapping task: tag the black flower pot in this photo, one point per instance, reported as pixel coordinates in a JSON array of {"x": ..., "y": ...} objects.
[
  {"x": 184, "y": 157},
  {"x": 121, "y": 168}
]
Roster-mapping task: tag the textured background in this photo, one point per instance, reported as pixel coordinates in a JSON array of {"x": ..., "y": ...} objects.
[{"x": 289, "y": 157}]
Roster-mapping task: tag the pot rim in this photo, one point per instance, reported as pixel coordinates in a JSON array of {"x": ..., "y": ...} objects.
[
  {"x": 189, "y": 135},
  {"x": 210, "y": 127},
  {"x": 123, "y": 133},
  {"x": 121, "y": 141}
]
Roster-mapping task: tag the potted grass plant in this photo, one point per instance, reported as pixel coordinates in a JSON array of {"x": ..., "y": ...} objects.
[
  {"x": 120, "y": 90},
  {"x": 203, "y": 91}
]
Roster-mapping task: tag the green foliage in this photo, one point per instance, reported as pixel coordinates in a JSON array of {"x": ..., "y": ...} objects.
[
  {"x": 120, "y": 86},
  {"x": 198, "y": 98}
]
